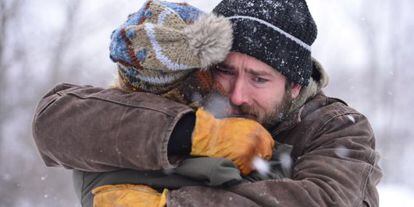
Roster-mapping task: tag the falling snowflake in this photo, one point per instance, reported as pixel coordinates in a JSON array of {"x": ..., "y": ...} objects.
[{"x": 261, "y": 165}]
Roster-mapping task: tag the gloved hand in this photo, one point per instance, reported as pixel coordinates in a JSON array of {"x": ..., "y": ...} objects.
[
  {"x": 237, "y": 139},
  {"x": 128, "y": 195}
]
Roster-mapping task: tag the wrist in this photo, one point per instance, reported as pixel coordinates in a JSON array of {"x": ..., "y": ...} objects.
[
  {"x": 181, "y": 138},
  {"x": 204, "y": 133}
]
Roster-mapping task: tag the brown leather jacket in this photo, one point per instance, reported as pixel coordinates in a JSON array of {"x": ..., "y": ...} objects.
[{"x": 94, "y": 129}]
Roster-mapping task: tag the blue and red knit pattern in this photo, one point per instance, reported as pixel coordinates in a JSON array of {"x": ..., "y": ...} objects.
[{"x": 120, "y": 49}]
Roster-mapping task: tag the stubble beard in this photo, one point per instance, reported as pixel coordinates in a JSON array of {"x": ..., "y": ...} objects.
[{"x": 270, "y": 118}]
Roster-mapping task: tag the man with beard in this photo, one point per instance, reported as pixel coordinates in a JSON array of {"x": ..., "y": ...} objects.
[{"x": 270, "y": 77}]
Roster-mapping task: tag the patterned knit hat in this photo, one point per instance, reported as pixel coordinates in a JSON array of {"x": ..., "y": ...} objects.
[
  {"x": 277, "y": 32},
  {"x": 163, "y": 42}
]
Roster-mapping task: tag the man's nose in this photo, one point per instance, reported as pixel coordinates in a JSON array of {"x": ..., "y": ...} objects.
[{"x": 238, "y": 94}]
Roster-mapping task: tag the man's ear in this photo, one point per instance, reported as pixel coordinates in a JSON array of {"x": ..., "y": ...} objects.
[{"x": 295, "y": 91}]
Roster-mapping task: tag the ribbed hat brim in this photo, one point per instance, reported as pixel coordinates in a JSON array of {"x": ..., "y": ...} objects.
[{"x": 273, "y": 48}]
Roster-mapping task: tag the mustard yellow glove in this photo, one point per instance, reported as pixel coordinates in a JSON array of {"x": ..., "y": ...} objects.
[
  {"x": 237, "y": 139},
  {"x": 128, "y": 195}
]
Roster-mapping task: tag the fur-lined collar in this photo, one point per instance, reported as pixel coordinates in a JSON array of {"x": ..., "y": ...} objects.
[{"x": 318, "y": 81}]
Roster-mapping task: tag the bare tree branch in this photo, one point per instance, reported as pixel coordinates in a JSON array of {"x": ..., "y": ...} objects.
[
  {"x": 65, "y": 38},
  {"x": 7, "y": 15}
]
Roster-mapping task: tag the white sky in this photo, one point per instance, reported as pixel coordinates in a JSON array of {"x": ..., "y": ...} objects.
[{"x": 338, "y": 41}]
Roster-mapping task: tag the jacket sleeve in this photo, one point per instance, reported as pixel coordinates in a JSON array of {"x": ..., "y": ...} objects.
[
  {"x": 94, "y": 129},
  {"x": 338, "y": 168}
]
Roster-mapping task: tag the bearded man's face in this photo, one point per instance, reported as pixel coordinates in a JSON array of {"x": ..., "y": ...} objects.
[{"x": 255, "y": 90}]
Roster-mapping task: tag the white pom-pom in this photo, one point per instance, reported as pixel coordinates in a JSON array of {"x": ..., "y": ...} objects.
[{"x": 210, "y": 38}]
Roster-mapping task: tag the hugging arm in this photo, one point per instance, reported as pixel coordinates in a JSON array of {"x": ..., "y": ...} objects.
[{"x": 97, "y": 130}]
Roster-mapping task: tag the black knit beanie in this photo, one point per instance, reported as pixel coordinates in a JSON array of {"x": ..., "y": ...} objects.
[{"x": 277, "y": 32}]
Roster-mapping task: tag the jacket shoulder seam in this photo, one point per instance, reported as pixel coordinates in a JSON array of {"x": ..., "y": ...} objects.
[
  {"x": 342, "y": 110},
  {"x": 123, "y": 104}
]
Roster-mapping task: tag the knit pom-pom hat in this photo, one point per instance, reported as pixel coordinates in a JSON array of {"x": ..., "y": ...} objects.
[{"x": 163, "y": 42}]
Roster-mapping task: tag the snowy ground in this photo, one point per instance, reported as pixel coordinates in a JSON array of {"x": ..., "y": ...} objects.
[{"x": 393, "y": 195}]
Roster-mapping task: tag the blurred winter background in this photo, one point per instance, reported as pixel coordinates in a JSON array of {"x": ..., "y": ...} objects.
[{"x": 365, "y": 45}]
